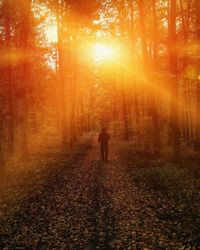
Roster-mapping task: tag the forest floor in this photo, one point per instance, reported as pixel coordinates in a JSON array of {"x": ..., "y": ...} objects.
[{"x": 74, "y": 201}]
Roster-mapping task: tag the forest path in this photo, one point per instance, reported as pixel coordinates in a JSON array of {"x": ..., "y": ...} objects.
[{"x": 86, "y": 204}]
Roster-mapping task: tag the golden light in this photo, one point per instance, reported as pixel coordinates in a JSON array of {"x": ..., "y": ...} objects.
[
  {"x": 51, "y": 33},
  {"x": 103, "y": 51}
]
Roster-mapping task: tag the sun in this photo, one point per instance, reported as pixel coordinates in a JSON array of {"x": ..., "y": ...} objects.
[
  {"x": 51, "y": 33},
  {"x": 102, "y": 51}
]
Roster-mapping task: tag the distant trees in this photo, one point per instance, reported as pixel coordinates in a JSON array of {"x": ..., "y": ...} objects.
[
  {"x": 72, "y": 17},
  {"x": 52, "y": 92},
  {"x": 17, "y": 46},
  {"x": 160, "y": 33}
]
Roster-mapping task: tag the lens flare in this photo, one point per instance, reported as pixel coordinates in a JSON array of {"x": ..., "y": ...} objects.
[{"x": 102, "y": 51}]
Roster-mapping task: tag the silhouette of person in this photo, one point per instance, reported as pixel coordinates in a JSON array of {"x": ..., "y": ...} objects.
[{"x": 103, "y": 139}]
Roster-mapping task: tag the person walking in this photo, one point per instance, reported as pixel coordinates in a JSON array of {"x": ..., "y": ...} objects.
[{"x": 103, "y": 139}]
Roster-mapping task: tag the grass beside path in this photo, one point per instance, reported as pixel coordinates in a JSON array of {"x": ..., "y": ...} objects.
[
  {"x": 18, "y": 183},
  {"x": 175, "y": 191}
]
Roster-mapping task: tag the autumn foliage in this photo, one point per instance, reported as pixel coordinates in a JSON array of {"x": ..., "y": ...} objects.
[{"x": 70, "y": 67}]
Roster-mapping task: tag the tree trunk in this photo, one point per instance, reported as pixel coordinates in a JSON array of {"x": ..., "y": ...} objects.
[
  {"x": 142, "y": 30},
  {"x": 173, "y": 67},
  {"x": 185, "y": 27},
  {"x": 82, "y": 111},
  {"x": 114, "y": 111},
  {"x": 73, "y": 135},
  {"x": 9, "y": 90},
  {"x": 61, "y": 77},
  {"x": 154, "y": 113},
  {"x": 186, "y": 114},
  {"x": 197, "y": 137},
  {"x": 2, "y": 107},
  {"x": 23, "y": 105},
  {"x": 124, "y": 108},
  {"x": 125, "y": 116}
]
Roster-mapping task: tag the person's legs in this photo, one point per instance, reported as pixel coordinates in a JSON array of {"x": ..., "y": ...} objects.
[
  {"x": 106, "y": 153},
  {"x": 102, "y": 152}
]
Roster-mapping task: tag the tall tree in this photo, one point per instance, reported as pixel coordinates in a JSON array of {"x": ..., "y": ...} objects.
[
  {"x": 2, "y": 117},
  {"x": 61, "y": 68},
  {"x": 141, "y": 7},
  {"x": 9, "y": 86},
  {"x": 173, "y": 67},
  {"x": 154, "y": 111},
  {"x": 25, "y": 15},
  {"x": 197, "y": 137}
]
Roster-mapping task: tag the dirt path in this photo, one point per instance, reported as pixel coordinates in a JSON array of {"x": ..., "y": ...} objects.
[{"x": 87, "y": 205}]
